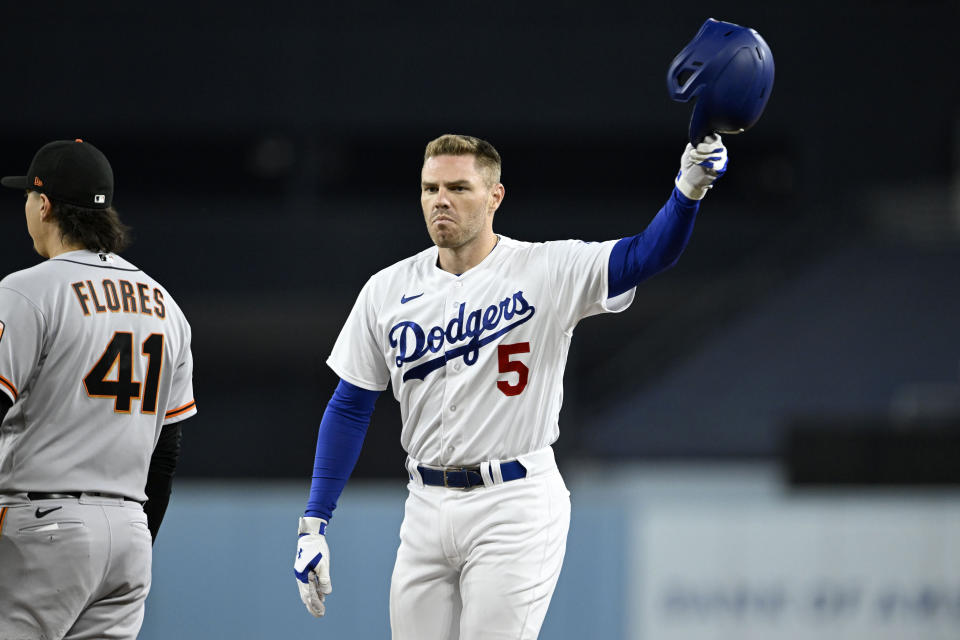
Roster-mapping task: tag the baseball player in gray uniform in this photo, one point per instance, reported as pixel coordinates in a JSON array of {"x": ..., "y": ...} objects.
[
  {"x": 472, "y": 334},
  {"x": 95, "y": 377}
]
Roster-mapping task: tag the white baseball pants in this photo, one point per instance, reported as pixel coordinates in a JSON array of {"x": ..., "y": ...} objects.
[{"x": 480, "y": 563}]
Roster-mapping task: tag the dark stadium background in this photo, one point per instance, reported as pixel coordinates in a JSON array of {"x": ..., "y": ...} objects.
[{"x": 267, "y": 156}]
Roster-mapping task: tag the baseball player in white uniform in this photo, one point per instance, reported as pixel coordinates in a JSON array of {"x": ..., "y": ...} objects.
[
  {"x": 95, "y": 377},
  {"x": 472, "y": 334}
]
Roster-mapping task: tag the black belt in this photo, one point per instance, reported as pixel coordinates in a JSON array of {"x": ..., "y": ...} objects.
[
  {"x": 465, "y": 477},
  {"x": 33, "y": 495}
]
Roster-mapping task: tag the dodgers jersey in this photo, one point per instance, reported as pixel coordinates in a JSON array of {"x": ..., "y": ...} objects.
[
  {"x": 476, "y": 360},
  {"x": 95, "y": 355}
]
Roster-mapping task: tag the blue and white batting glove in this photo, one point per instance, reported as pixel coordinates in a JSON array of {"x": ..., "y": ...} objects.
[
  {"x": 700, "y": 167},
  {"x": 312, "y": 565}
]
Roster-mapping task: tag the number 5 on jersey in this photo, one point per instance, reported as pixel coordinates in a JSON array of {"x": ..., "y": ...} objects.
[
  {"x": 123, "y": 388},
  {"x": 504, "y": 351}
]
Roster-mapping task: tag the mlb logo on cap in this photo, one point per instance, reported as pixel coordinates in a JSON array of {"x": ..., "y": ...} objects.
[
  {"x": 1, "y": 329},
  {"x": 99, "y": 198}
]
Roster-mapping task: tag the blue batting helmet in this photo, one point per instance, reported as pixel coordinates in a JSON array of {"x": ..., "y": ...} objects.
[{"x": 729, "y": 70}]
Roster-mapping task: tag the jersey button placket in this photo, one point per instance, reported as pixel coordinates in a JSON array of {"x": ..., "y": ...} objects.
[{"x": 449, "y": 404}]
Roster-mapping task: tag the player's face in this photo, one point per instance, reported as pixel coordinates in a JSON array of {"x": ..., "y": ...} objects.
[
  {"x": 32, "y": 208},
  {"x": 457, "y": 201}
]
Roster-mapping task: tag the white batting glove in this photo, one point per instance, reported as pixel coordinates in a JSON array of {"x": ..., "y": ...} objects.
[
  {"x": 312, "y": 565},
  {"x": 700, "y": 167}
]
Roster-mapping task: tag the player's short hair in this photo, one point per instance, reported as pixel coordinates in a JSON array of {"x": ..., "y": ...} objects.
[
  {"x": 451, "y": 144},
  {"x": 98, "y": 230}
]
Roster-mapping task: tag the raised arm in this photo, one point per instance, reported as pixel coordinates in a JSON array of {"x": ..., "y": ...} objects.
[{"x": 656, "y": 248}]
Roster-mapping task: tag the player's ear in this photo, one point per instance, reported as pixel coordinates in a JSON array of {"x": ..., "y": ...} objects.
[
  {"x": 497, "y": 194},
  {"x": 45, "y": 207}
]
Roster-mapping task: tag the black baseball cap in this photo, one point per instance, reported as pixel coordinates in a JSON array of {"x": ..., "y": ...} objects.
[{"x": 70, "y": 171}]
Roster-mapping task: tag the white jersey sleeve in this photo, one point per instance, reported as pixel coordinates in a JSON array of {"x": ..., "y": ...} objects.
[
  {"x": 358, "y": 355},
  {"x": 21, "y": 341},
  {"x": 579, "y": 275},
  {"x": 181, "y": 402}
]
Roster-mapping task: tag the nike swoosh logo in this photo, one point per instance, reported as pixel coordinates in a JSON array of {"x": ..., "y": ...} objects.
[
  {"x": 40, "y": 513},
  {"x": 405, "y": 299}
]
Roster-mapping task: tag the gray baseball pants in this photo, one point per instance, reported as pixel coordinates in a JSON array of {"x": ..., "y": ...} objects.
[{"x": 72, "y": 568}]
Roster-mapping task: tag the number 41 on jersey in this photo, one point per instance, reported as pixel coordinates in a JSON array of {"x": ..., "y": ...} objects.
[{"x": 101, "y": 382}]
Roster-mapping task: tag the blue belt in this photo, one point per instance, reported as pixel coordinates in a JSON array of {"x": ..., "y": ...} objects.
[{"x": 466, "y": 477}]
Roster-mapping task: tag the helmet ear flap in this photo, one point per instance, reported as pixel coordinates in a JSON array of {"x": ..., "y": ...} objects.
[
  {"x": 699, "y": 124},
  {"x": 729, "y": 70}
]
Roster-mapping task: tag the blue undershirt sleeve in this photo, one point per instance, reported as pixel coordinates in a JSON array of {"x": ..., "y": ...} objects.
[
  {"x": 339, "y": 440},
  {"x": 656, "y": 248}
]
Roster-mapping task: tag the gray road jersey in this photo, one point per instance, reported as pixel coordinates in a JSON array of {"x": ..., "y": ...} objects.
[{"x": 95, "y": 355}]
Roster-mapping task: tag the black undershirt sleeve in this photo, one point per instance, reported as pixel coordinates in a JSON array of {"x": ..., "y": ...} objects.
[
  {"x": 163, "y": 463},
  {"x": 5, "y": 405}
]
